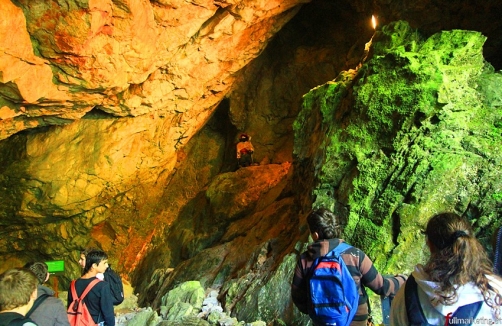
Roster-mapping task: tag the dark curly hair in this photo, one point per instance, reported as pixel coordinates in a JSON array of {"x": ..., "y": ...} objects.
[
  {"x": 40, "y": 269},
  {"x": 326, "y": 223}
]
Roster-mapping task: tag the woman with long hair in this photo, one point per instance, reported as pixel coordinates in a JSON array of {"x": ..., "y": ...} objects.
[{"x": 457, "y": 284}]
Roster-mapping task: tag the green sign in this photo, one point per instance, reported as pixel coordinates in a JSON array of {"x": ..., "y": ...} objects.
[{"x": 55, "y": 266}]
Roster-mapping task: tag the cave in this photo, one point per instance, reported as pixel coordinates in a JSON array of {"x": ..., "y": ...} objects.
[{"x": 119, "y": 121}]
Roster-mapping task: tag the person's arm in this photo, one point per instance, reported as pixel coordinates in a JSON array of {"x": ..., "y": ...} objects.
[
  {"x": 60, "y": 314},
  {"x": 299, "y": 289},
  {"x": 371, "y": 278},
  {"x": 398, "y": 316},
  {"x": 238, "y": 150},
  {"x": 106, "y": 305}
]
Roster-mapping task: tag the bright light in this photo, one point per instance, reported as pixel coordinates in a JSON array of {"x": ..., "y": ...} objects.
[{"x": 373, "y": 21}]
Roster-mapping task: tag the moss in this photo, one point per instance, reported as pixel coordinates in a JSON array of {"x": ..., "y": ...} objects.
[
  {"x": 190, "y": 292},
  {"x": 267, "y": 300},
  {"x": 418, "y": 134}
]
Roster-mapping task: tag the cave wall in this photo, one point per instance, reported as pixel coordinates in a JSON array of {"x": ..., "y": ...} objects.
[
  {"x": 127, "y": 58},
  {"x": 414, "y": 132},
  {"x": 121, "y": 87},
  {"x": 127, "y": 148},
  {"x": 100, "y": 177}
]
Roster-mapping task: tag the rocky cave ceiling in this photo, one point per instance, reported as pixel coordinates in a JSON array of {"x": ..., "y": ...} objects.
[
  {"x": 108, "y": 107},
  {"x": 176, "y": 59}
]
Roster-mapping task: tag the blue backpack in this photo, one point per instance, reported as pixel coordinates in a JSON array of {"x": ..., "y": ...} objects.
[{"x": 334, "y": 297}]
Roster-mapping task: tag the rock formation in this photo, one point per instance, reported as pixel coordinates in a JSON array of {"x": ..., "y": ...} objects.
[{"x": 118, "y": 121}]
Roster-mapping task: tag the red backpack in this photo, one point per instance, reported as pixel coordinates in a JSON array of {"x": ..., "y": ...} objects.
[{"x": 78, "y": 314}]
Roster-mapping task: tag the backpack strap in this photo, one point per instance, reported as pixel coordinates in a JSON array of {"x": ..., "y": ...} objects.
[
  {"x": 414, "y": 310},
  {"x": 87, "y": 289},
  {"x": 467, "y": 313},
  {"x": 37, "y": 303},
  {"x": 416, "y": 315},
  {"x": 342, "y": 246},
  {"x": 497, "y": 259}
]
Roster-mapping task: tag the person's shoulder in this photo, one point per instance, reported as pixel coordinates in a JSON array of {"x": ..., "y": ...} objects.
[
  {"x": 53, "y": 301},
  {"x": 42, "y": 289},
  {"x": 29, "y": 323},
  {"x": 353, "y": 255},
  {"x": 350, "y": 248},
  {"x": 99, "y": 282},
  {"x": 15, "y": 319},
  {"x": 8, "y": 316},
  {"x": 102, "y": 284},
  {"x": 87, "y": 281}
]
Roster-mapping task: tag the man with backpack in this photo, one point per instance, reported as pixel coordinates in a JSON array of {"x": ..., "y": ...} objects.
[
  {"x": 110, "y": 276},
  {"x": 331, "y": 276},
  {"x": 47, "y": 309},
  {"x": 18, "y": 291},
  {"x": 90, "y": 301}
]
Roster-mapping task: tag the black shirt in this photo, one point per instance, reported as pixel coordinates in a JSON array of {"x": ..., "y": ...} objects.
[{"x": 99, "y": 300}]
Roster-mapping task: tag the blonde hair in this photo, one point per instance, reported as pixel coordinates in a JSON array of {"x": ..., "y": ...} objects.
[{"x": 16, "y": 287}]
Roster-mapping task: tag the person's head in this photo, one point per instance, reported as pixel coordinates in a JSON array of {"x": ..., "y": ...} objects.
[
  {"x": 324, "y": 224},
  {"x": 457, "y": 257},
  {"x": 244, "y": 137},
  {"x": 446, "y": 230},
  {"x": 40, "y": 269},
  {"x": 18, "y": 288},
  {"x": 96, "y": 260},
  {"x": 81, "y": 261},
  {"x": 83, "y": 254}
]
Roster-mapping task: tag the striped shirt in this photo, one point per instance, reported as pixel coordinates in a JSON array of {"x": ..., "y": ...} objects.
[{"x": 360, "y": 267}]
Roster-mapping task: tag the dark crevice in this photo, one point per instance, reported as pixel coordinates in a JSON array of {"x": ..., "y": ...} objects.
[{"x": 97, "y": 113}]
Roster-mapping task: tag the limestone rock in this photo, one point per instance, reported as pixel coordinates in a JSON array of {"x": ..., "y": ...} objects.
[
  {"x": 126, "y": 58},
  {"x": 117, "y": 123},
  {"x": 146, "y": 317},
  {"x": 190, "y": 292},
  {"x": 420, "y": 139}
]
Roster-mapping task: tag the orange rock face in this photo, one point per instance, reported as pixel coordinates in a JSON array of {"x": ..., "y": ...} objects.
[
  {"x": 126, "y": 58},
  {"x": 123, "y": 85}
]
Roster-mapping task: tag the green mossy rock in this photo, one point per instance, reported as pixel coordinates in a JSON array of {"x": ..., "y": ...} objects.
[
  {"x": 269, "y": 301},
  {"x": 186, "y": 321},
  {"x": 190, "y": 293},
  {"x": 417, "y": 130},
  {"x": 147, "y": 317}
]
